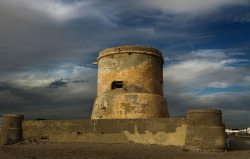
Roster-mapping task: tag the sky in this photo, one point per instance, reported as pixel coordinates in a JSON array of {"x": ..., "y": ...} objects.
[{"x": 47, "y": 48}]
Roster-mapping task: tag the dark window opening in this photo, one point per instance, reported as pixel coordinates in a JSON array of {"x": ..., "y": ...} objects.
[{"x": 116, "y": 84}]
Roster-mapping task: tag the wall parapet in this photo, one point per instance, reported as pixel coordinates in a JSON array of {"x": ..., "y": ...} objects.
[{"x": 147, "y": 131}]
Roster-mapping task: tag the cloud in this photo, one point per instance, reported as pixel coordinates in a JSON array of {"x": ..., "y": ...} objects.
[
  {"x": 236, "y": 117},
  {"x": 48, "y": 32},
  {"x": 202, "y": 74},
  {"x": 73, "y": 101},
  {"x": 58, "y": 83},
  {"x": 24, "y": 92},
  {"x": 193, "y": 6},
  {"x": 206, "y": 79},
  {"x": 44, "y": 41},
  {"x": 79, "y": 81},
  {"x": 58, "y": 75},
  {"x": 58, "y": 11},
  {"x": 207, "y": 68},
  {"x": 242, "y": 18},
  {"x": 31, "y": 37}
]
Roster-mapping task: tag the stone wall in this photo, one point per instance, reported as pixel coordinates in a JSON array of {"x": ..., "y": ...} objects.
[
  {"x": 0, "y": 134},
  {"x": 162, "y": 131},
  {"x": 201, "y": 130}
]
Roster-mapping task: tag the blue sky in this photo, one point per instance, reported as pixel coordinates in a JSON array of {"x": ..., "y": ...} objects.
[{"x": 47, "y": 48}]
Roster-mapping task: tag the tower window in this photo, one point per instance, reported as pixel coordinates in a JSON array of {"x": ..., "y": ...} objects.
[{"x": 117, "y": 84}]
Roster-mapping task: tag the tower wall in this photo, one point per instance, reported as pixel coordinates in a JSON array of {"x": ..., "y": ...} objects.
[
  {"x": 130, "y": 83},
  {"x": 205, "y": 130},
  {"x": 11, "y": 129}
]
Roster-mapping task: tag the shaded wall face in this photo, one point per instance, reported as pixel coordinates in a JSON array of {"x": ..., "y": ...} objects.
[
  {"x": 137, "y": 73},
  {"x": 146, "y": 131}
]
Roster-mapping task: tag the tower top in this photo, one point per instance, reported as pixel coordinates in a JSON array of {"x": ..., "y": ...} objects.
[{"x": 130, "y": 49}]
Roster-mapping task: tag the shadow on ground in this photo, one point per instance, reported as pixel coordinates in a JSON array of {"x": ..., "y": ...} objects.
[{"x": 236, "y": 144}]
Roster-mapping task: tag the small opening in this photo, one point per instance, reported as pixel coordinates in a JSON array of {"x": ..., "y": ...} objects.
[
  {"x": 116, "y": 84},
  {"x": 44, "y": 138}
]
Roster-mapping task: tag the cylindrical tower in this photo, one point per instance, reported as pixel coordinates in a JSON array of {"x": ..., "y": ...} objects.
[
  {"x": 205, "y": 130},
  {"x": 11, "y": 132},
  {"x": 130, "y": 83}
]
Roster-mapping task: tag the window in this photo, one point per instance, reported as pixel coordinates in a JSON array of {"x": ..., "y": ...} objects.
[{"x": 116, "y": 84}]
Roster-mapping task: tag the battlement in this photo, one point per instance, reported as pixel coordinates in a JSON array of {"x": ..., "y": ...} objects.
[{"x": 137, "y": 49}]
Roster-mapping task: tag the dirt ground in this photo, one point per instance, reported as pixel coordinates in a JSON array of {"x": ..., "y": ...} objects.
[{"x": 239, "y": 148}]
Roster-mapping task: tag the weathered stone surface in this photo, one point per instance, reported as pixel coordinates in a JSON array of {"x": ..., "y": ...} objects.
[
  {"x": 11, "y": 131},
  {"x": 205, "y": 130},
  {"x": 129, "y": 105},
  {"x": 134, "y": 75},
  {"x": 161, "y": 131}
]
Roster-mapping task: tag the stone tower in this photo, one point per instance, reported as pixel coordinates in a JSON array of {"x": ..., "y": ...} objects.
[{"x": 130, "y": 84}]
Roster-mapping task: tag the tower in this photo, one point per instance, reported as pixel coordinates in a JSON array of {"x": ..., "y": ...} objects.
[{"x": 130, "y": 84}]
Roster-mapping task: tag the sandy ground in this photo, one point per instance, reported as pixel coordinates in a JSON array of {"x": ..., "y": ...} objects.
[{"x": 239, "y": 148}]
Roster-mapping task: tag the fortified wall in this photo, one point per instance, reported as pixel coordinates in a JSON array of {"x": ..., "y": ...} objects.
[{"x": 129, "y": 108}]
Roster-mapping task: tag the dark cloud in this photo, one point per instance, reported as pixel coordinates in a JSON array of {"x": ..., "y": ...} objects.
[
  {"x": 79, "y": 81},
  {"x": 58, "y": 83},
  {"x": 64, "y": 83},
  {"x": 31, "y": 37},
  {"x": 43, "y": 102},
  {"x": 75, "y": 32}
]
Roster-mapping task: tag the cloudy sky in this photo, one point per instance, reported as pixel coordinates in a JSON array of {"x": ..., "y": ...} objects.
[{"x": 47, "y": 48}]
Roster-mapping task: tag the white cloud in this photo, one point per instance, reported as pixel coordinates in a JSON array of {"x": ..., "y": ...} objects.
[
  {"x": 40, "y": 78},
  {"x": 207, "y": 69},
  {"x": 208, "y": 53},
  {"x": 55, "y": 9},
  {"x": 60, "y": 11},
  {"x": 203, "y": 74},
  {"x": 206, "y": 82},
  {"x": 218, "y": 84},
  {"x": 191, "y": 73}
]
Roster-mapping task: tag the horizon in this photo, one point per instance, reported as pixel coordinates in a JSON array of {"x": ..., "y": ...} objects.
[{"x": 47, "y": 48}]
